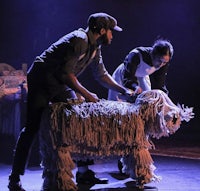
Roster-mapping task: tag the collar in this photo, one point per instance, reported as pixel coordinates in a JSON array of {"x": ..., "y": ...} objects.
[{"x": 91, "y": 39}]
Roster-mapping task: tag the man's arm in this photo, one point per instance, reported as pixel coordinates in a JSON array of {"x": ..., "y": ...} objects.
[
  {"x": 108, "y": 82},
  {"x": 104, "y": 78},
  {"x": 72, "y": 81}
]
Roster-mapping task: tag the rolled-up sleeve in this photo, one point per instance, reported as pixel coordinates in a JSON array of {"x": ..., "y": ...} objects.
[{"x": 98, "y": 67}]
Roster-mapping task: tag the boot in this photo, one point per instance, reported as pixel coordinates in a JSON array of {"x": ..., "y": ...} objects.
[
  {"x": 48, "y": 180},
  {"x": 14, "y": 183}
]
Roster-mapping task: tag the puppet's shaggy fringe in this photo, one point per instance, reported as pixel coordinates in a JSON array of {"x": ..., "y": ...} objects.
[{"x": 107, "y": 128}]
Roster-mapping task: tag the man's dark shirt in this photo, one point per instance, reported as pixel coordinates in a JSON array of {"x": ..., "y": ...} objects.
[{"x": 70, "y": 54}]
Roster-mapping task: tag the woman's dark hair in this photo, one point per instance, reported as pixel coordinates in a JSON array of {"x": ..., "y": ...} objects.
[{"x": 162, "y": 47}]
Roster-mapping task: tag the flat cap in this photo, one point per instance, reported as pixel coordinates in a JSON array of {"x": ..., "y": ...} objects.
[{"x": 103, "y": 20}]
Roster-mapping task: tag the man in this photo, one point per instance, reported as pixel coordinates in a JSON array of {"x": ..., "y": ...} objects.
[
  {"x": 53, "y": 77},
  {"x": 144, "y": 68}
]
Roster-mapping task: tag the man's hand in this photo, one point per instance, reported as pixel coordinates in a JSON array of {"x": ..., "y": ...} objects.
[
  {"x": 131, "y": 95},
  {"x": 138, "y": 90},
  {"x": 91, "y": 97},
  {"x": 129, "y": 92}
]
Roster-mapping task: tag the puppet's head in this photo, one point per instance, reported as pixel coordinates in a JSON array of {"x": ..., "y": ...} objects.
[{"x": 162, "y": 117}]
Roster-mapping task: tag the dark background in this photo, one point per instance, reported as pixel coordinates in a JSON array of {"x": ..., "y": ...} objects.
[{"x": 29, "y": 27}]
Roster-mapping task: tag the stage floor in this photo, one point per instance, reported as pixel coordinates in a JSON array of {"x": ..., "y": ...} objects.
[{"x": 178, "y": 174}]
